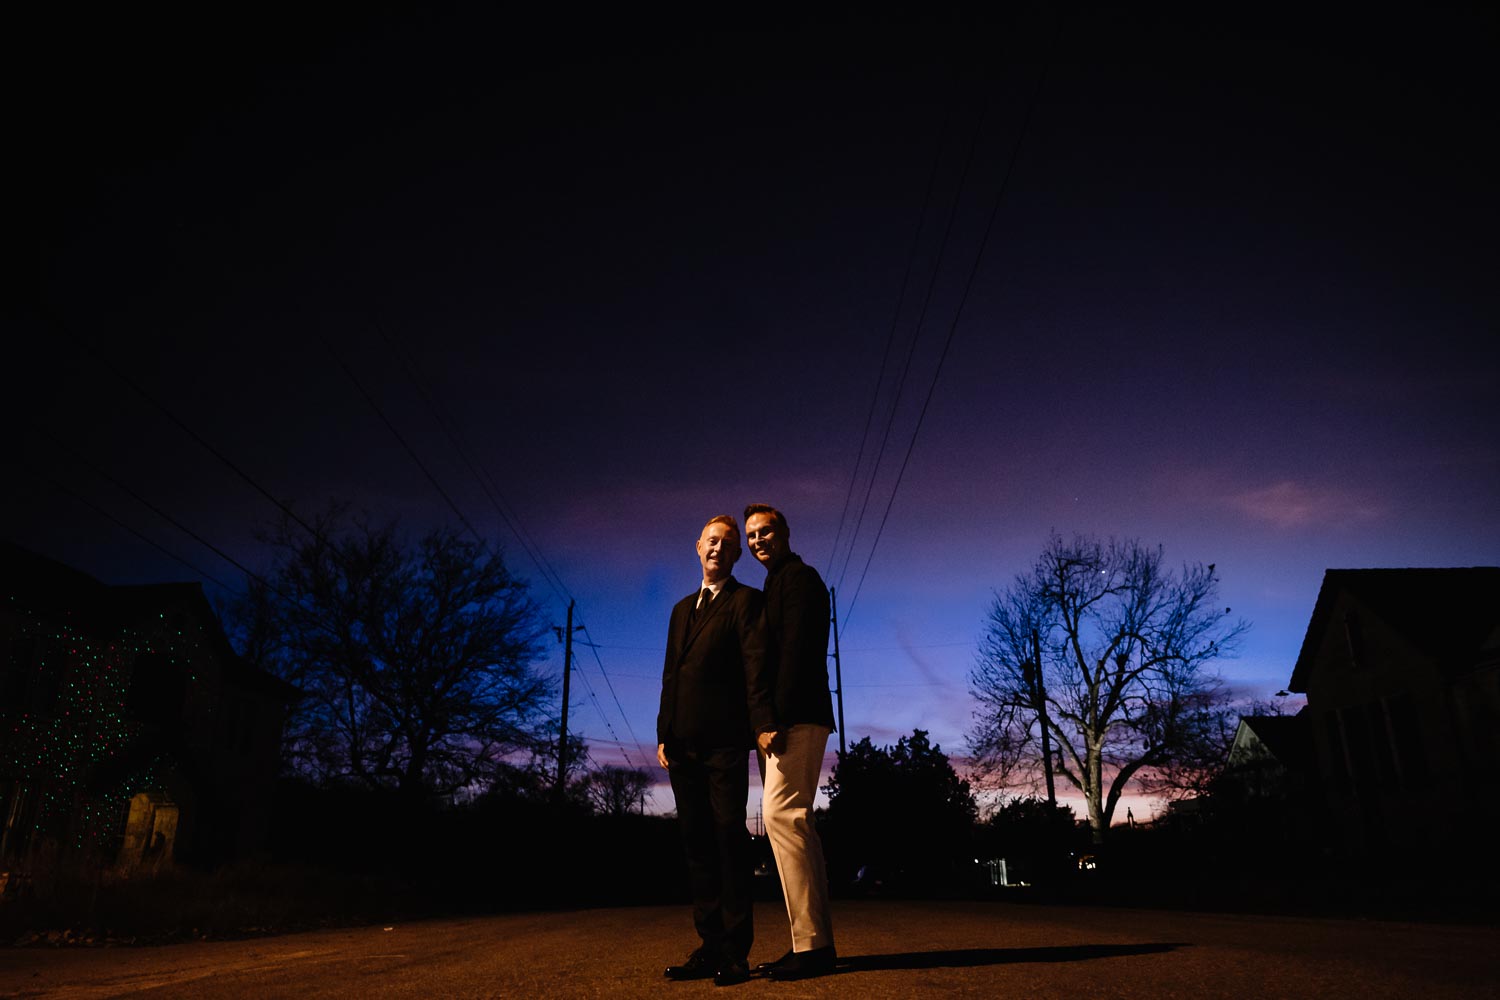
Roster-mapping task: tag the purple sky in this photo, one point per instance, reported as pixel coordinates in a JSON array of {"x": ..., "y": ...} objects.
[{"x": 1238, "y": 300}]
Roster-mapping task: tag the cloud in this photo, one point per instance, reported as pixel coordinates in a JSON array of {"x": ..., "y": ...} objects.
[{"x": 1290, "y": 504}]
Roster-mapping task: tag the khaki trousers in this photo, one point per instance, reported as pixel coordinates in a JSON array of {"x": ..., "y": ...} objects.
[{"x": 790, "y": 780}]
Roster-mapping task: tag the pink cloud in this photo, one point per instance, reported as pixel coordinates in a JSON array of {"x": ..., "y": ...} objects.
[{"x": 1289, "y": 504}]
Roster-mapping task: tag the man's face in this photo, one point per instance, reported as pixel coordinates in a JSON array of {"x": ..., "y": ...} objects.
[
  {"x": 767, "y": 542},
  {"x": 718, "y": 550}
]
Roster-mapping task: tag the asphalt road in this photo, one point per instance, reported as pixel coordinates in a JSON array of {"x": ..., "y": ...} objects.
[{"x": 887, "y": 949}]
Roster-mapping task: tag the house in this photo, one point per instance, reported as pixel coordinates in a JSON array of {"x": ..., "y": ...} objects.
[
  {"x": 1401, "y": 669},
  {"x": 1271, "y": 756},
  {"x": 130, "y": 732}
]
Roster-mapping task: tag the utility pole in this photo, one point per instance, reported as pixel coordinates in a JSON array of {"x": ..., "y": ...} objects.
[
  {"x": 565, "y": 636},
  {"x": 838, "y": 672}
]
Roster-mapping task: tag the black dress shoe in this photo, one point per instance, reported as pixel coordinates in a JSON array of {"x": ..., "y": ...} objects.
[
  {"x": 732, "y": 973},
  {"x": 699, "y": 965},
  {"x": 806, "y": 964},
  {"x": 768, "y": 966}
]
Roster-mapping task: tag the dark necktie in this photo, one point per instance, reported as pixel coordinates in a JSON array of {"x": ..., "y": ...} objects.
[{"x": 704, "y": 599}]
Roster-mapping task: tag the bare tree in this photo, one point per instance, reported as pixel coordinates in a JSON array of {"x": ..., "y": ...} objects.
[
  {"x": 1197, "y": 765},
  {"x": 416, "y": 661},
  {"x": 1106, "y": 652},
  {"x": 616, "y": 791}
]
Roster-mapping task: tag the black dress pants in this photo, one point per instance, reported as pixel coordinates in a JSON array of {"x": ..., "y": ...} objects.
[{"x": 711, "y": 787}]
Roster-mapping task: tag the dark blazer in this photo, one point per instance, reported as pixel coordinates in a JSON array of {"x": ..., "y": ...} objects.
[
  {"x": 713, "y": 683},
  {"x": 797, "y": 614}
]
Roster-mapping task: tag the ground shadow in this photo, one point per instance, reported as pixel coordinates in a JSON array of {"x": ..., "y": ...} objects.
[{"x": 960, "y": 958}]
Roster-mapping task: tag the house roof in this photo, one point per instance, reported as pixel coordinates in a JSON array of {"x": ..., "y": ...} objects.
[
  {"x": 1287, "y": 737},
  {"x": 1453, "y": 615},
  {"x": 43, "y": 584},
  {"x": 46, "y": 586}
]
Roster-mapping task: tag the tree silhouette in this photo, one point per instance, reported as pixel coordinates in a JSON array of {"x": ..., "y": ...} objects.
[
  {"x": 1198, "y": 765},
  {"x": 1108, "y": 654},
  {"x": 415, "y": 660},
  {"x": 617, "y": 791},
  {"x": 1034, "y": 836},
  {"x": 901, "y": 811}
]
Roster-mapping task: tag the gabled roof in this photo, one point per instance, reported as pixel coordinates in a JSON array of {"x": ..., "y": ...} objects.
[
  {"x": 1447, "y": 613},
  {"x": 1287, "y": 737},
  {"x": 44, "y": 585}
]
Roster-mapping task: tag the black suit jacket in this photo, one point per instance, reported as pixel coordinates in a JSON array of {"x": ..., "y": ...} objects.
[
  {"x": 797, "y": 615},
  {"x": 713, "y": 683}
]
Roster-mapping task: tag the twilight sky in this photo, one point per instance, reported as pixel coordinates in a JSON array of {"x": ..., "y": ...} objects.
[{"x": 1238, "y": 299}]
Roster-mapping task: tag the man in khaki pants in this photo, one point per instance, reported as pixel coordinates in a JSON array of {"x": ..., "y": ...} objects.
[{"x": 791, "y": 749}]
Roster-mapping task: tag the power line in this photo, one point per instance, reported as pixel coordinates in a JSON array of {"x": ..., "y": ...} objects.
[
  {"x": 298, "y": 520},
  {"x": 599, "y": 708},
  {"x": 119, "y": 373},
  {"x": 594, "y": 648},
  {"x": 492, "y": 493},
  {"x": 890, "y": 337},
  {"x": 957, "y": 315},
  {"x": 916, "y": 336},
  {"x": 164, "y": 515},
  {"x": 159, "y": 512},
  {"x": 902, "y": 649},
  {"x": 403, "y": 442},
  {"x": 80, "y": 498},
  {"x": 481, "y": 475},
  {"x": 612, "y": 645}
]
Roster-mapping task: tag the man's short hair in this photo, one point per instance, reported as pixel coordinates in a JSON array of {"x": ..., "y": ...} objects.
[
  {"x": 765, "y": 508},
  {"x": 725, "y": 519}
]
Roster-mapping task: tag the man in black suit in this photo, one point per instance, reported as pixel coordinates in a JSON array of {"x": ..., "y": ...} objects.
[
  {"x": 713, "y": 701},
  {"x": 791, "y": 748}
]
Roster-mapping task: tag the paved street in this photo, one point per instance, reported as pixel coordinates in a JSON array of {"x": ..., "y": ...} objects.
[{"x": 887, "y": 949}]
